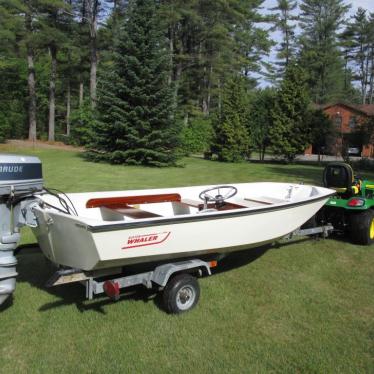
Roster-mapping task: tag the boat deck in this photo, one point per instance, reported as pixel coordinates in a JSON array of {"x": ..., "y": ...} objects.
[{"x": 151, "y": 206}]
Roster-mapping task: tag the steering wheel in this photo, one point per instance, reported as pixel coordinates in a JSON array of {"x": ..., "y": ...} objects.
[{"x": 220, "y": 196}]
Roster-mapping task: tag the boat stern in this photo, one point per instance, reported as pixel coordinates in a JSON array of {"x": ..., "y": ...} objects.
[{"x": 65, "y": 240}]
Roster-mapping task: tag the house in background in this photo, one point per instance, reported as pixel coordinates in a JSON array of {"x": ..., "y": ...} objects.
[{"x": 347, "y": 119}]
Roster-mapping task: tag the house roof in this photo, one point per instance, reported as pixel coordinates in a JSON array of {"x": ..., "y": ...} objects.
[{"x": 367, "y": 109}]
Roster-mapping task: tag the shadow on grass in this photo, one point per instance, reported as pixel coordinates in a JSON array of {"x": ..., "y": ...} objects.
[
  {"x": 35, "y": 269},
  {"x": 68, "y": 297},
  {"x": 236, "y": 260},
  {"x": 7, "y": 303}
]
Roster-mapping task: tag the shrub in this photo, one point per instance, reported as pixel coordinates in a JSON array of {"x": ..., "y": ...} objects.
[
  {"x": 81, "y": 122},
  {"x": 197, "y": 135}
]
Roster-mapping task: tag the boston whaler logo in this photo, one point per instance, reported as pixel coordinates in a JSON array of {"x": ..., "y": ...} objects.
[
  {"x": 11, "y": 168},
  {"x": 148, "y": 239}
]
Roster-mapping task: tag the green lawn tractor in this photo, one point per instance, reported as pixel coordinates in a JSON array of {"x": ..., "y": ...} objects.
[{"x": 351, "y": 210}]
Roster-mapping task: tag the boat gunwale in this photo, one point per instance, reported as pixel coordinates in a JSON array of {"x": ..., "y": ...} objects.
[{"x": 198, "y": 217}]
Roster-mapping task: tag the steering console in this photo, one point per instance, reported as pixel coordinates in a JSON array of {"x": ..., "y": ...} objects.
[{"x": 218, "y": 195}]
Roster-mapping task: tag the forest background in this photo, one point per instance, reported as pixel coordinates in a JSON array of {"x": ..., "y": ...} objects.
[{"x": 144, "y": 81}]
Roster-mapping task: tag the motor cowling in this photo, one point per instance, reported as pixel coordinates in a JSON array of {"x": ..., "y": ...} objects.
[{"x": 20, "y": 178}]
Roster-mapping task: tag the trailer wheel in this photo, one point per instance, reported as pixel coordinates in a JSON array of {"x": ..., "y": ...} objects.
[
  {"x": 181, "y": 294},
  {"x": 362, "y": 227}
]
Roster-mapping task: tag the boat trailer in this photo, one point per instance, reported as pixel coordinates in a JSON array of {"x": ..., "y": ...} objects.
[{"x": 177, "y": 280}]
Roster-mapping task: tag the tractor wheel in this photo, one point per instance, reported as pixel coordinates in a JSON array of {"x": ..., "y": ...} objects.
[{"x": 361, "y": 227}]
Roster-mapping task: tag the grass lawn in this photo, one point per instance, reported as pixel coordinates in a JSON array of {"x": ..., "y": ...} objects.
[{"x": 306, "y": 306}]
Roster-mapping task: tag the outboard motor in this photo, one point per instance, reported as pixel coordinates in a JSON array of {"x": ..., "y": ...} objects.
[{"x": 20, "y": 178}]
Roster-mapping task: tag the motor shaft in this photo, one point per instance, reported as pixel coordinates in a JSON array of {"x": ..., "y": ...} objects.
[{"x": 8, "y": 243}]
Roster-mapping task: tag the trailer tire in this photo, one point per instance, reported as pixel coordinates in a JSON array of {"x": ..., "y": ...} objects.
[
  {"x": 361, "y": 227},
  {"x": 181, "y": 294}
]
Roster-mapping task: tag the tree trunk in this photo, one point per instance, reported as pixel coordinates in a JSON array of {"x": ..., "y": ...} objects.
[
  {"x": 204, "y": 93},
  {"x": 93, "y": 13},
  {"x": 81, "y": 91},
  {"x": 209, "y": 93},
  {"x": 178, "y": 68},
  {"x": 287, "y": 40},
  {"x": 366, "y": 74},
  {"x": 171, "y": 51},
  {"x": 205, "y": 107},
  {"x": 362, "y": 72},
  {"x": 52, "y": 94},
  {"x": 185, "y": 119},
  {"x": 93, "y": 72},
  {"x": 371, "y": 85},
  {"x": 178, "y": 74},
  {"x": 346, "y": 70},
  {"x": 31, "y": 83},
  {"x": 68, "y": 107},
  {"x": 219, "y": 99}
]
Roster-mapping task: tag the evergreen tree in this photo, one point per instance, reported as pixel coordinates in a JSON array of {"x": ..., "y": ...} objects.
[
  {"x": 284, "y": 22},
  {"x": 290, "y": 133},
  {"x": 323, "y": 131},
  {"x": 320, "y": 22},
  {"x": 210, "y": 41},
  {"x": 359, "y": 46},
  {"x": 135, "y": 124},
  {"x": 230, "y": 141},
  {"x": 260, "y": 119},
  {"x": 12, "y": 87}
]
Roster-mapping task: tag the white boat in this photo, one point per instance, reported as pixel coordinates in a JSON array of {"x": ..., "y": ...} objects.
[{"x": 118, "y": 228}]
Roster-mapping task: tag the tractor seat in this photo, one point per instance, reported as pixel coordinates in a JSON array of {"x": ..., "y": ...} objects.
[{"x": 339, "y": 176}]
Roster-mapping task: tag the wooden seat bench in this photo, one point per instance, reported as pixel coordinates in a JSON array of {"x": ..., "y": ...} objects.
[{"x": 115, "y": 208}]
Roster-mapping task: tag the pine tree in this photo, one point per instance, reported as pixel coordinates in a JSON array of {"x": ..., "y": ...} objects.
[
  {"x": 135, "y": 124},
  {"x": 260, "y": 119},
  {"x": 12, "y": 93},
  {"x": 284, "y": 22},
  {"x": 320, "y": 22},
  {"x": 290, "y": 133},
  {"x": 231, "y": 142},
  {"x": 359, "y": 45},
  {"x": 210, "y": 41}
]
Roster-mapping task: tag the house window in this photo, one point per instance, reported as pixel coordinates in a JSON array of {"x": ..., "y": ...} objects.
[
  {"x": 352, "y": 122},
  {"x": 338, "y": 121}
]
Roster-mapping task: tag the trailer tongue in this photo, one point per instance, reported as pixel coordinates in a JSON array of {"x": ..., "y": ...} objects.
[{"x": 20, "y": 178}]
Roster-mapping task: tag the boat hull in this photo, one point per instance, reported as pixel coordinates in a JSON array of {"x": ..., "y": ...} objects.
[{"x": 67, "y": 241}]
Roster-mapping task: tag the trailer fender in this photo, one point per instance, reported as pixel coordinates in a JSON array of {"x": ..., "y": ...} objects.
[{"x": 162, "y": 273}]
